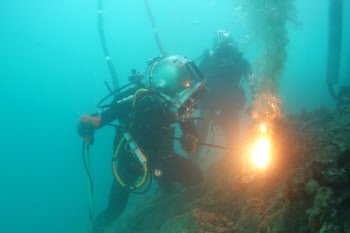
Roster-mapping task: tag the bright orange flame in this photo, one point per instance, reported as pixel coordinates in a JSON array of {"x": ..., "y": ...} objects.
[
  {"x": 263, "y": 128},
  {"x": 261, "y": 152},
  {"x": 186, "y": 83}
]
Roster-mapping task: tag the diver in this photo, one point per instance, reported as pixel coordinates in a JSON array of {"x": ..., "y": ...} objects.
[
  {"x": 223, "y": 67},
  {"x": 146, "y": 114}
]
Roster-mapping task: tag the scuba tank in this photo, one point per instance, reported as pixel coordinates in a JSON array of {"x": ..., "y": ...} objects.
[{"x": 135, "y": 149}]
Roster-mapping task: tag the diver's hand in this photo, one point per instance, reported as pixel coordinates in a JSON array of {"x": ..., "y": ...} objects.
[
  {"x": 189, "y": 142},
  {"x": 85, "y": 130}
]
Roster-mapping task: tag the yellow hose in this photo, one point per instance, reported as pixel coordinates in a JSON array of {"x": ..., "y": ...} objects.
[
  {"x": 139, "y": 91},
  {"x": 115, "y": 172},
  {"x": 114, "y": 167},
  {"x": 144, "y": 178}
]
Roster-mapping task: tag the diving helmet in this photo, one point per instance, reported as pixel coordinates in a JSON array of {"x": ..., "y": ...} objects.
[
  {"x": 178, "y": 83},
  {"x": 221, "y": 37},
  {"x": 223, "y": 44}
]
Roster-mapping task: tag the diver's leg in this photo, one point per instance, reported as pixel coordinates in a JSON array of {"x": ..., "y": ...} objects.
[
  {"x": 203, "y": 125},
  {"x": 229, "y": 121},
  {"x": 229, "y": 124},
  {"x": 181, "y": 170},
  {"x": 119, "y": 195}
]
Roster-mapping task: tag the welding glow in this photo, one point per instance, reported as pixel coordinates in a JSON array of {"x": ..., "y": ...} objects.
[
  {"x": 186, "y": 83},
  {"x": 262, "y": 128},
  {"x": 261, "y": 152}
]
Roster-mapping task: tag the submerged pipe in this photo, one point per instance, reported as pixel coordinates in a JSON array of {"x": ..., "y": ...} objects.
[
  {"x": 101, "y": 33},
  {"x": 334, "y": 44},
  {"x": 155, "y": 30}
]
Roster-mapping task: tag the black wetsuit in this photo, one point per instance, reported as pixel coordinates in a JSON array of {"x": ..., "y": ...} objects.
[
  {"x": 223, "y": 70},
  {"x": 154, "y": 133}
]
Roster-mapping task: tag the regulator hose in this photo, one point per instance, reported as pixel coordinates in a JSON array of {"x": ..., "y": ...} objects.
[{"x": 116, "y": 91}]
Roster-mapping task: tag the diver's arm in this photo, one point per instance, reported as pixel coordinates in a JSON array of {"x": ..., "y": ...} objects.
[
  {"x": 188, "y": 127},
  {"x": 114, "y": 112},
  {"x": 88, "y": 123},
  {"x": 249, "y": 76},
  {"x": 189, "y": 140},
  {"x": 205, "y": 63},
  {"x": 247, "y": 69}
]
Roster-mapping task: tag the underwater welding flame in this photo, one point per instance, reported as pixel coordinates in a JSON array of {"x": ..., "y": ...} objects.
[
  {"x": 261, "y": 152},
  {"x": 267, "y": 108},
  {"x": 262, "y": 148}
]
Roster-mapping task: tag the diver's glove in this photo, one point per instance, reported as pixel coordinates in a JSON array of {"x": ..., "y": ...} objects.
[
  {"x": 189, "y": 142},
  {"x": 85, "y": 130}
]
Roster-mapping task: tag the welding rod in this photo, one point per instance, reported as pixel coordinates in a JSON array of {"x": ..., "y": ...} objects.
[{"x": 210, "y": 145}]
